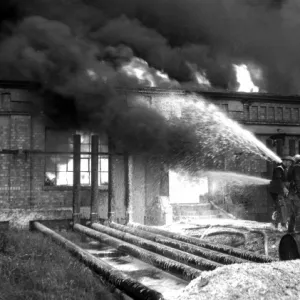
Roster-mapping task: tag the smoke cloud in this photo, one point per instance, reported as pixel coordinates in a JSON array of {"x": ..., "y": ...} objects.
[
  {"x": 76, "y": 50},
  {"x": 169, "y": 34}
]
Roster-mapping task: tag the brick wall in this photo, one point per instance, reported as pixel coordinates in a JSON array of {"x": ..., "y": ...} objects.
[
  {"x": 23, "y": 195},
  {"x": 277, "y": 114},
  {"x": 22, "y": 176}
]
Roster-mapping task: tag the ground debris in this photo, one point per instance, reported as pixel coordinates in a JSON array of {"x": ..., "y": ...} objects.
[{"x": 270, "y": 281}]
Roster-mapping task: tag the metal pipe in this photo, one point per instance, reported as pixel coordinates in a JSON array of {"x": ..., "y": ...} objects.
[
  {"x": 94, "y": 178},
  {"x": 213, "y": 246},
  {"x": 178, "y": 269},
  {"x": 76, "y": 178},
  {"x": 126, "y": 182},
  {"x": 181, "y": 256},
  {"x": 123, "y": 282},
  {"x": 110, "y": 179},
  {"x": 37, "y": 152},
  {"x": 196, "y": 250}
]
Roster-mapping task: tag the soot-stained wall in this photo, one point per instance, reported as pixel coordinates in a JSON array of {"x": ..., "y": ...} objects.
[
  {"x": 273, "y": 119},
  {"x": 24, "y": 196},
  {"x": 23, "y": 193}
]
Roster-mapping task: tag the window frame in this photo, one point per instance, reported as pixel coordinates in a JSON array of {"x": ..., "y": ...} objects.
[{"x": 88, "y": 156}]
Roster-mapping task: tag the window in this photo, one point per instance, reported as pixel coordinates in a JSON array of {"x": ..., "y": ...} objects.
[
  {"x": 225, "y": 107},
  {"x": 263, "y": 113},
  {"x": 295, "y": 114},
  {"x": 271, "y": 113},
  {"x": 292, "y": 147},
  {"x": 288, "y": 114},
  {"x": 279, "y": 114},
  {"x": 59, "y": 165},
  {"x": 253, "y": 113}
]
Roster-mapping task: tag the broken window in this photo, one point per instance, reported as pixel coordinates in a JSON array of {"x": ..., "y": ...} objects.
[{"x": 59, "y": 164}]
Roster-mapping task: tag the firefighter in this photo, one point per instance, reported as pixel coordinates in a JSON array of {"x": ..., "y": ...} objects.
[
  {"x": 279, "y": 192},
  {"x": 294, "y": 195},
  {"x": 289, "y": 163}
]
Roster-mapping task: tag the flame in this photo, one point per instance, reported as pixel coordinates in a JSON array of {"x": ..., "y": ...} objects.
[
  {"x": 140, "y": 69},
  {"x": 199, "y": 76},
  {"x": 201, "y": 79},
  {"x": 244, "y": 79}
]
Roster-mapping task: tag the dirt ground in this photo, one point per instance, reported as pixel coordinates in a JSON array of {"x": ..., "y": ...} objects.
[
  {"x": 250, "y": 281},
  {"x": 260, "y": 238},
  {"x": 254, "y": 241},
  {"x": 268, "y": 281}
]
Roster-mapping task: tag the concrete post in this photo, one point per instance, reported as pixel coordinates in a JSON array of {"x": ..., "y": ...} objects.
[
  {"x": 76, "y": 178},
  {"x": 94, "y": 179}
]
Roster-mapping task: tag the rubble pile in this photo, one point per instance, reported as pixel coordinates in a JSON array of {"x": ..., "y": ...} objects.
[{"x": 269, "y": 281}]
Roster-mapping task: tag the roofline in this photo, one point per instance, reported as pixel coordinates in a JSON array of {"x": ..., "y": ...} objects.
[
  {"x": 220, "y": 95},
  {"x": 215, "y": 95}
]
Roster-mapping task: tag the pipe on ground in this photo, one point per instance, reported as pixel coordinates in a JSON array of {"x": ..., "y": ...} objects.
[
  {"x": 191, "y": 240},
  {"x": 219, "y": 232},
  {"x": 178, "y": 269},
  {"x": 289, "y": 247},
  {"x": 123, "y": 282},
  {"x": 180, "y": 256},
  {"x": 265, "y": 239},
  {"x": 196, "y": 250}
]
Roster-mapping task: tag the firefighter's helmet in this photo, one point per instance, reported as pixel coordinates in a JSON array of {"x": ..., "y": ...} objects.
[
  {"x": 289, "y": 158},
  {"x": 297, "y": 158}
]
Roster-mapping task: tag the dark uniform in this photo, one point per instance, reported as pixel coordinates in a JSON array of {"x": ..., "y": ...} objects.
[
  {"x": 277, "y": 190},
  {"x": 294, "y": 197}
]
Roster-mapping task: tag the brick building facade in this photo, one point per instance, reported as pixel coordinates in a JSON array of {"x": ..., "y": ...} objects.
[{"x": 35, "y": 185}]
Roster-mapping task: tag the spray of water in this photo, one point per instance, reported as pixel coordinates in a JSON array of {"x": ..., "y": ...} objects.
[
  {"x": 237, "y": 178},
  {"x": 217, "y": 133}
]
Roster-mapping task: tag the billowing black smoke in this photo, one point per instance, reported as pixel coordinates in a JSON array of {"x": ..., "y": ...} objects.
[
  {"x": 75, "y": 49},
  {"x": 212, "y": 34}
]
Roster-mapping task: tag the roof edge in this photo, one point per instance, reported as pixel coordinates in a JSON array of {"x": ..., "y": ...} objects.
[{"x": 31, "y": 85}]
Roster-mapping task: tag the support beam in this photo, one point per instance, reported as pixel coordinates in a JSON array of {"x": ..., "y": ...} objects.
[
  {"x": 76, "y": 178},
  {"x": 94, "y": 179}
]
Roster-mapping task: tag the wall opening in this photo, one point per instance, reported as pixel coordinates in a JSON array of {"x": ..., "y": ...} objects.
[{"x": 188, "y": 190}]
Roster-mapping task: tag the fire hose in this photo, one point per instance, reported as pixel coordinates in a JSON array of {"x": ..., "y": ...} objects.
[{"x": 229, "y": 232}]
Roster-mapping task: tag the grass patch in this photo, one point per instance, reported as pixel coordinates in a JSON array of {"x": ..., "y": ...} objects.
[{"x": 33, "y": 267}]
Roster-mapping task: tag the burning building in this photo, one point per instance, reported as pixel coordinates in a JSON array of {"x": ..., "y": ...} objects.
[
  {"x": 38, "y": 164},
  {"x": 152, "y": 85}
]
